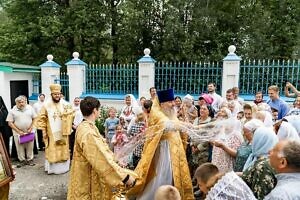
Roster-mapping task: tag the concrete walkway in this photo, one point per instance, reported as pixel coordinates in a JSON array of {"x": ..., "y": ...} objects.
[{"x": 32, "y": 183}]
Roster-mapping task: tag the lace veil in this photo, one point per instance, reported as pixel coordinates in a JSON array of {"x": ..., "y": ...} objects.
[{"x": 230, "y": 187}]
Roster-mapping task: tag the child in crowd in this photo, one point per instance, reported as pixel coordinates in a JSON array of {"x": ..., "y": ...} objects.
[
  {"x": 240, "y": 116},
  {"x": 118, "y": 141},
  {"x": 110, "y": 125},
  {"x": 203, "y": 174},
  {"x": 123, "y": 123},
  {"x": 274, "y": 115},
  {"x": 136, "y": 131},
  {"x": 167, "y": 192},
  {"x": 228, "y": 186}
]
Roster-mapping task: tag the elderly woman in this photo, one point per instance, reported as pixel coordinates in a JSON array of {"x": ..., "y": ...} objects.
[
  {"x": 257, "y": 172},
  {"x": 223, "y": 113},
  {"x": 231, "y": 137},
  {"x": 285, "y": 130},
  {"x": 242, "y": 153},
  {"x": 188, "y": 112}
]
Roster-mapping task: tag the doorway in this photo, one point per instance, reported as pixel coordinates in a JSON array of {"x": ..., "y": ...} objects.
[{"x": 18, "y": 88}]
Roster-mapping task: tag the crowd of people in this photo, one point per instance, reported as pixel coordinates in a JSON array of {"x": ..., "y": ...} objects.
[{"x": 167, "y": 147}]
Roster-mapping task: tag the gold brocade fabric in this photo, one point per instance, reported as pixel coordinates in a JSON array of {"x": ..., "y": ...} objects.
[
  {"x": 4, "y": 191},
  {"x": 145, "y": 168},
  {"x": 94, "y": 173},
  {"x": 54, "y": 151}
]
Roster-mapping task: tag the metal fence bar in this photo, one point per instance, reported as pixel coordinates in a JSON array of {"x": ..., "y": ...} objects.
[
  {"x": 112, "y": 79},
  {"x": 259, "y": 75},
  {"x": 187, "y": 77},
  {"x": 192, "y": 77}
]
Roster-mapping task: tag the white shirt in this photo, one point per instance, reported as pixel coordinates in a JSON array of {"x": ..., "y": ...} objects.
[
  {"x": 21, "y": 118},
  {"x": 38, "y": 106},
  {"x": 78, "y": 116}
]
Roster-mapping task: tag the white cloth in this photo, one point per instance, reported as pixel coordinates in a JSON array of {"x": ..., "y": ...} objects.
[
  {"x": 230, "y": 186},
  {"x": 78, "y": 116},
  {"x": 163, "y": 170},
  {"x": 287, "y": 131},
  {"x": 237, "y": 107},
  {"x": 295, "y": 121},
  {"x": 55, "y": 120},
  {"x": 268, "y": 119},
  {"x": 57, "y": 168},
  {"x": 38, "y": 106},
  {"x": 253, "y": 124}
]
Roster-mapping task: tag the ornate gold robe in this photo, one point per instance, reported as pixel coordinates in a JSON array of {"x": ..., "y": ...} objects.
[
  {"x": 4, "y": 192},
  {"x": 177, "y": 141},
  {"x": 55, "y": 151},
  {"x": 94, "y": 173}
]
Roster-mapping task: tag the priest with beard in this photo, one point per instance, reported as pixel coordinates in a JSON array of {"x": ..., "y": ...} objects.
[
  {"x": 55, "y": 121},
  {"x": 163, "y": 161}
]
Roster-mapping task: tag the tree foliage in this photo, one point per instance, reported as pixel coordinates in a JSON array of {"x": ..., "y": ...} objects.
[{"x": 117, "y": 31}]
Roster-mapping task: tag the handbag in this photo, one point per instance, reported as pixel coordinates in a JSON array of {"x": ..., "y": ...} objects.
[{"x": 26, "y": 138}]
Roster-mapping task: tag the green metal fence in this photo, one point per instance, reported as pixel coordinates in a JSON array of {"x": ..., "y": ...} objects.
[
  {"x": 112, "y": 79},
  {"x": 64, "y": 82},
  {"x": 192, "y": 77},
  {"x": 188, "y": 77},
  {"x": 258, "y": 75}
]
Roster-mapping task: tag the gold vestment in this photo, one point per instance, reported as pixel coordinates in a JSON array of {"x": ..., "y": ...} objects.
[
  {"x": 55, "y": 151},
  {"x": 177, "y": 143},
  {"x": 94, "y": 173}
]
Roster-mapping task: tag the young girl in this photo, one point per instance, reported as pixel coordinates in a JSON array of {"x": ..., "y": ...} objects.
[
  {"x": 118, "y": 141},
  {"x": 110, "y": 125},
  {"x": 137, "y": 128}
]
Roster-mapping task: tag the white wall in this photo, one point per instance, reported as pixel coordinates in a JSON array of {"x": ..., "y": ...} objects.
[
  {"x": 118, "y": 104},
  {"x": 5, "y": 79}
]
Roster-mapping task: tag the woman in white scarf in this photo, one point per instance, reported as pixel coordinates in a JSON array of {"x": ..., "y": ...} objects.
[{"x": 230, "y": 136}]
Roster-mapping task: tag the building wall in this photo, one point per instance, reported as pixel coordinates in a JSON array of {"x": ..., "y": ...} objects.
[{"x": 5, "y": 79}]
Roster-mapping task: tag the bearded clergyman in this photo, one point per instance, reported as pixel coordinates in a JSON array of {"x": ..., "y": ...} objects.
[{"x": 55, "y": 121}]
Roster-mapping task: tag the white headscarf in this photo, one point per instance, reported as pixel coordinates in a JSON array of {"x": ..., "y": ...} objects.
[
  {"x": 294, "y": 120},
  {"x": 287, "y": 131},
  {"x": 253, "y": 124}
]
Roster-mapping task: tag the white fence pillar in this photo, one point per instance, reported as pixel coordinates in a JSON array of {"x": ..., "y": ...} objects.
[
  {"x": 231, "y": 70},
  {"x": 76, "y": 72},
  {"x": 50, "y": 71},
  {"x": 146, "y": 74}
]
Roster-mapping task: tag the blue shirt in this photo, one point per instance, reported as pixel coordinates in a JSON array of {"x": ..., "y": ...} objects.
[
  {"x": 287, "y": 187},
  {"x": 110, "y": 125},
  {"x": 280, "y": 105}
]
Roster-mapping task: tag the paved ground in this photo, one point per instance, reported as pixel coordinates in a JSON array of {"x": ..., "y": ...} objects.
[{"x": 32, "y": 183}]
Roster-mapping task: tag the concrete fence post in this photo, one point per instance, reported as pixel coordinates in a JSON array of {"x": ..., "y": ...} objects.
[
  {"x": 231, "y": 70},
  {"x": 50, "y": 71},
  {"x": 146, "y": 74},
  {"x": 76, "y": 73}
]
